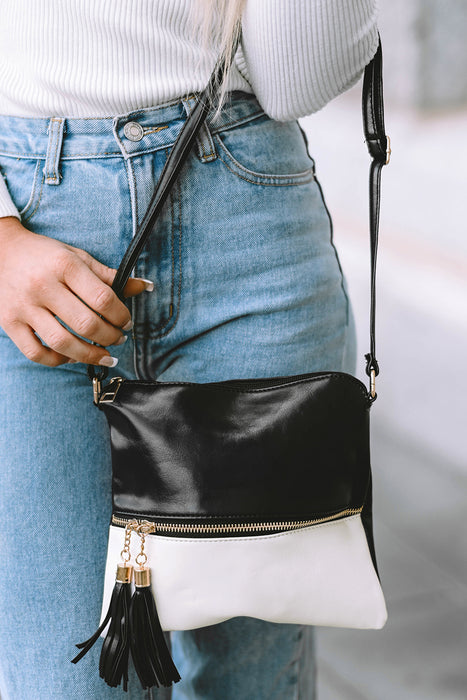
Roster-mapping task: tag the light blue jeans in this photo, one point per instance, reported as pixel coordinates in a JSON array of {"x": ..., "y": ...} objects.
[{"x": 247, "y": 284}]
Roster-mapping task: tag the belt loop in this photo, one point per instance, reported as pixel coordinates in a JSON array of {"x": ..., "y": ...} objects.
[
  {"x": 54, "y": 147},
  {"x": 204, "y": 143}
]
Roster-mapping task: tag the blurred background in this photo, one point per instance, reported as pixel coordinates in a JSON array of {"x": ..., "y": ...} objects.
[{"x": 419, "y": 425}]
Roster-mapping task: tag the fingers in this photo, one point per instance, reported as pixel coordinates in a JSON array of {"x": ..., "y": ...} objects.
[
  {"x": 82, "y": 319},
  {"x": 25, "y": 340},
  {"x": 134, "y": 286},
  {"x": 106, "y": 274},
  {"x": 63, "y": 344},
  {"x": 95, "y": 292},
  {"x": 54, "y": 279},
  {"x": 84, "y": 279}
]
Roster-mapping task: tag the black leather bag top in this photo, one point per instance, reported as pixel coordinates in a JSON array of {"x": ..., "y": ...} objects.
[{"x": 257, "y": 450}]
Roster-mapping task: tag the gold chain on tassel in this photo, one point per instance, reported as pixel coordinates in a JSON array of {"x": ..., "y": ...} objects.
[
  {"x": 125, "y": 553},
  {"x": 142, "y": 557},
  {"x": 125, "y": 569}
]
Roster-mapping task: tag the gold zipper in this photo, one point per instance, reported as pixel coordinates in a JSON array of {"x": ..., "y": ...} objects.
[
  {"x": 229, "y": 528},
  {"x": 108, "y": 393}
]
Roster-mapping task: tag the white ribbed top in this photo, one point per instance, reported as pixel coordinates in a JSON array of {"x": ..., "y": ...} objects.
[{"x": 103, "y": 57}]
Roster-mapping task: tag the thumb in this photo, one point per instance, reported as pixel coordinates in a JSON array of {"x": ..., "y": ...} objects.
[{"x": 134, "y": 285}]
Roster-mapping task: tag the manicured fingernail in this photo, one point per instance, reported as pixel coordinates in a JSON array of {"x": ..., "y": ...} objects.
[
  {"x": 121, "y": 340},
  {"x": 108, "y": 361},
  {"x": 71, "y": 362},
  {"x": 148, "y": 285},
  {"x": 128, "y": 326}
]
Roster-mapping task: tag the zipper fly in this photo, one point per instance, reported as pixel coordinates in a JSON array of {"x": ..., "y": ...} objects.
[{"x": 151, "y": 527}]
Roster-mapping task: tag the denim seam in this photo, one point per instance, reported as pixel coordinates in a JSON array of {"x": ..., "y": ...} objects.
[
  {"x": 201, "y": 139},
  {"x": 32, "y": 194},
  {"x": 27, "y": 217},
  {"x": 55, "y": 177},
  {"x": 175, "y": 316},
  {"x": 43, "y": 156},
  {"x": 236, "y": 122},
  {"x": 139, "y": 302},
  {"x": 154, "y": 328},
  {"x": 171, "y": 321},
  {"x": 211, "y": 152},
  {"x": 304, "y": 669},
  {"x": 213, "y": 130},
  {"x": 205, "y": 150},
  {"x": 134, "y": 197},
  {"x": 51, "y": 127},
  {"x": 298, "y": 661},
  {"x": 134, "y": 214},
  {"x": 260, "y": 179},
  {"x": 331, "y": 240}
]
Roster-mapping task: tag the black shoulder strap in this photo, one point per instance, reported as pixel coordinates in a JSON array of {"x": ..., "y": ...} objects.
[
  {"x": 373, "y": 120},
  {"x": 379, "y": 148}
]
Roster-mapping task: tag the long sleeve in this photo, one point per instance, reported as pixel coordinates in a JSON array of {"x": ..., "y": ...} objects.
[
  {"x": 300, "y": 54},
  {"x": 95, "y": 59}
]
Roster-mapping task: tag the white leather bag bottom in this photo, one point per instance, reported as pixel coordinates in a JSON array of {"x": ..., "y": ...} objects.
[{"x": 319, "y": 575}]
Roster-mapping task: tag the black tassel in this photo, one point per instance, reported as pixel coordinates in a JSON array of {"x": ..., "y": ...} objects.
[
  {"x": 152, "y": 659},
  {"x": 113, "y": 663}
]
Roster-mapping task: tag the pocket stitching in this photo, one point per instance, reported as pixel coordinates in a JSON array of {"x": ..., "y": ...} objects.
[
  {"x": 331, "y": 240},
  {"x": 149, "y": 329},
  {"x": 262, "y": 178},
  {"x": 165, "y": 327},
  {"x": 32, "y": 197}
]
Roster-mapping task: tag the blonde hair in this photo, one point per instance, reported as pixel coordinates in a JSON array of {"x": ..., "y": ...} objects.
[{"x": 218, "y": 23}]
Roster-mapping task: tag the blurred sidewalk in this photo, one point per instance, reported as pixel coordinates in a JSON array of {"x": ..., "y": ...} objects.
[
  {"x": 422, "y": 274},
  {"x": 419, "y": 422}
]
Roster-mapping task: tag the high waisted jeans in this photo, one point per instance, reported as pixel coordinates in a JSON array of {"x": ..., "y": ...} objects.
[{"x": 247, "y": 284}]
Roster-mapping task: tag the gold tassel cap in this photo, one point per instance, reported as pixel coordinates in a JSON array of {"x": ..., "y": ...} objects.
[
  {"x": 142, "y": 577},
  {"x": 124, "y": 573}
]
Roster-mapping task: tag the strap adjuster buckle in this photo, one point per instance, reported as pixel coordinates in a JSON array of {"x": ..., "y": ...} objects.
[
  {"x": 388, "y": 150},
  {"x": 373, "y": 384}
]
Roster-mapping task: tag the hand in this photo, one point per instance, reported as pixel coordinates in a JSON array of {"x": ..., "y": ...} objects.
[{"x": 41, "y": 277}]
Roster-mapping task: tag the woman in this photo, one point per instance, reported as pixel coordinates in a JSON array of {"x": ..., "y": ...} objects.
[{"x": 243, "y": 275}]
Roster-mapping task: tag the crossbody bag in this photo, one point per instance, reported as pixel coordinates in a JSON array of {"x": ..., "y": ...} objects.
[{"x": 240, "y": 497}]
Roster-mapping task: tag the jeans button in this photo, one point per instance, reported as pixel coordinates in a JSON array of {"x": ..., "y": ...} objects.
[{"x": 133, "y": 131}]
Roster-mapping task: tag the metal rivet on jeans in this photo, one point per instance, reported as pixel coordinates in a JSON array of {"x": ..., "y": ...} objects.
[{"x": 133, "y": 131}]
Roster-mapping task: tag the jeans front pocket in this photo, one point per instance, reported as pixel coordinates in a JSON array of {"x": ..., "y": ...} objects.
[
  {"x": 24, "y": 179},
  {"x": 265, "y": 152}
]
